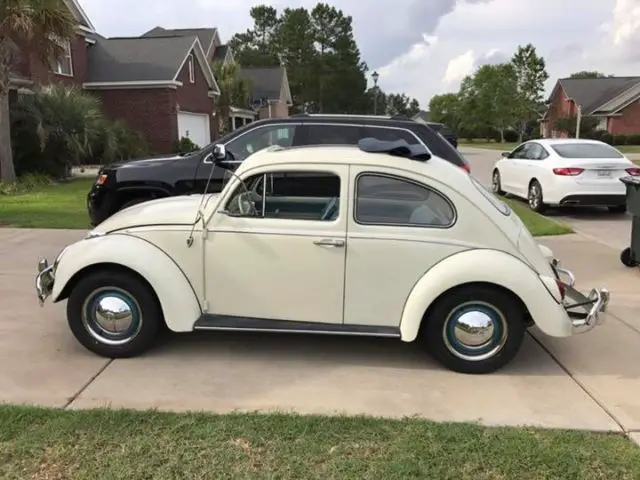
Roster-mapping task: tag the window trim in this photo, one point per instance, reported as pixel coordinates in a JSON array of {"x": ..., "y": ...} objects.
[
  {"x": 192, "y": 68},
  {"x": 264, "y": 197},
  {"x": 67, "y": 53},
  {"x": 454, "y": 220}
]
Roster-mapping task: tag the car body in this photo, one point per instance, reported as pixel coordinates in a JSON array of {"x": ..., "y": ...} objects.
[
  {"x": 119, "y": 186},
  {"x": 564, "y": 172},
  {"x": 378, "y": 240},
  {"x": 445, "y": 131}
]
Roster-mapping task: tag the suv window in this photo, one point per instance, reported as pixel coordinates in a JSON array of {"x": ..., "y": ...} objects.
[
  {"x": 262, "y": 137},
  {"x": 294, "y": 195},
  {"x": 386, "y": 134},
  {"x": 319, "y": 134},
  {"x": 387, "y": 200}
]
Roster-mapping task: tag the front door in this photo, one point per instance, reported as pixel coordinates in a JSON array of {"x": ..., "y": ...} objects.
[{"x": 277, "y": 250}]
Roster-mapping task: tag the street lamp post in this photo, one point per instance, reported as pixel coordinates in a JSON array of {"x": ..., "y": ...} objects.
[{"x": 375, "y": 76}]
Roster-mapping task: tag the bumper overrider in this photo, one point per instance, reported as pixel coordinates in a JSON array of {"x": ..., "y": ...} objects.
[
  {"x": 585, "y": 311},
  {"x": 44, "y": 280}
]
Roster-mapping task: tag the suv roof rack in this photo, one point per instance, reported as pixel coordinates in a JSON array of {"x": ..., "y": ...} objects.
[
  {"x": 351, "y": 115},
  {"x": 398, "y": 148}
]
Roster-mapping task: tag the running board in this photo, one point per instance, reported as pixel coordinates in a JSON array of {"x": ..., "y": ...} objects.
[{"x": 228, "y": 322}]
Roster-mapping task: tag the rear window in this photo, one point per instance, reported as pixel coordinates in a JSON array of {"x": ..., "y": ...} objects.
[
  {"x": 502, "y": 207},
  {"x": 586, "y": 150},
  {"x": 438, "y": 145}
]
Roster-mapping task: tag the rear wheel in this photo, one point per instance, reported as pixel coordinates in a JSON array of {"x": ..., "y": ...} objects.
[
  {"x": 475, "y": 329},
  {"x": 625, "y": 258},
  {"x": 535, "y": 197},
  {"x": 618, "y": 209},
  {"x": 114, "y": 314}
]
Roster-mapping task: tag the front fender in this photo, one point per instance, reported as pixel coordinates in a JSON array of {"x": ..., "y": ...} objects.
[
  {"x": 486, "y": 266},
  {"x": 177, "y": 297}
]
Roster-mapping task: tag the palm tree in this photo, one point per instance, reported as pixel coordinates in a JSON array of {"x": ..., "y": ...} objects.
[
  {"x": 234, "y": 91},
  {"x": 40, "y": 26}
]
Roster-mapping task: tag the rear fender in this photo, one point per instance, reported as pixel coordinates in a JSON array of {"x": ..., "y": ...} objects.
[
  {"x": 484, "y": 266},
  {"x": 177, "y": 297}
]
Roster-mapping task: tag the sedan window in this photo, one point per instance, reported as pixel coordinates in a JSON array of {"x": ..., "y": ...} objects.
[
  {"x": 301, "y": 195},
  {"x": 586, "y": 150},
  {"x": 387, "y": 200}
]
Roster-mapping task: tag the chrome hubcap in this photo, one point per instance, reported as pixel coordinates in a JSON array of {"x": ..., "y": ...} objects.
[
  {"x": 534, "y": 196},
  {"x": 495, "y": 183},
  {"x": 475, "y": 331},
  {"x": 111, "y": 316}
]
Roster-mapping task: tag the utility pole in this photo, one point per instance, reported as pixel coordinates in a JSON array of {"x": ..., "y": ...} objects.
[{"x": 578, "y": 120}]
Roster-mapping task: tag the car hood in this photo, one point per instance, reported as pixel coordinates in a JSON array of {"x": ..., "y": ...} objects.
[
  {"x": 181, "y": 210},
  {"x": 146, "y": 162}
]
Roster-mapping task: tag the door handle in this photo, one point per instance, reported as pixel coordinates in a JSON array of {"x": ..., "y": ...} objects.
[{"x": 329, "y": 242}]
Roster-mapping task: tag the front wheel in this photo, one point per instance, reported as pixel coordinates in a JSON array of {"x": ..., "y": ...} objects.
[
  {"x": 475, "y": 329},
  {"x": 114, "y": 314},
  {"x": 496, "y": 183}
]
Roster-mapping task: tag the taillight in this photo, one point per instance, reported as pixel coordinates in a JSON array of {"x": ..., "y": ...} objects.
[
  {"x": 568, "y": 172},
  {"x": 467, "y": 168},
  {"x": 561, "y": 287},
  {"x": 633, "y": 171}
]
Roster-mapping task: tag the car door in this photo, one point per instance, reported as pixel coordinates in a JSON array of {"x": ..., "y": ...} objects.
[
  {"x": 399, "y": 227},
  {"x": 531, "y": 166},
  {"x": 510, "y": 170},
  {"x": 283, "y": 258}
]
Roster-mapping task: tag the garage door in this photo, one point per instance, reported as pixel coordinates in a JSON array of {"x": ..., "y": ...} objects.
[{"x": 194, "y": 126}]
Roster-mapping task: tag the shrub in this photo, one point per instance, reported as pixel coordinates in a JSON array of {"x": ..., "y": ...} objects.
[
  {"x": 118, "y": 142},
  {"x": 607, "y": 138},
  {"x": 24, "y": 184},
  {"x": 185, "y": 145},
  {"x": 511, "y": 136},
  {"x": 595, "y": 135},
  {"x": 633, "y": 139},
  {"x": 619, "y": 139}
]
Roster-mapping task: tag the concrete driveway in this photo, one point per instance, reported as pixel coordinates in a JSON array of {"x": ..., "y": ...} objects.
[
  {"x": 613, "y": 230},
  {"x": 587, "y": 382}
]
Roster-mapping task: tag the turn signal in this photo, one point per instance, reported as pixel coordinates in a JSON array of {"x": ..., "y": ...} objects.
[
  {"x": 634, "y": 171},
  {"x": 568, "y": 172},
  {"x": 101, "y": 179}
]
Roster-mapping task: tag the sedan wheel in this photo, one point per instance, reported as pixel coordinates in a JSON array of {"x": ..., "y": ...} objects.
[
  {"x": 535, "y": 198},
  {"x": 475, "y": 329},
  {"x": 496, "y": 185},
  {"x": 114, "y": 314}
]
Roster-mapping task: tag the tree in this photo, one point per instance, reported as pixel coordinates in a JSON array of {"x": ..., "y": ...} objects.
[
  {"x": 568, "y": 124},
  {"x": 445, "y": 109},
  {"x": 531, "y": 74},
  {"x": 39, "y": 25},
  {"x": 258, "y": 47},
  {"x": 235, "y": 90},
  {"x": 401, "y": 104},
  {"x": 589, "y": 74}
]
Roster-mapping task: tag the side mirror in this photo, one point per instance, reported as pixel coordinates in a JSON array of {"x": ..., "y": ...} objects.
[
  {"x": 219, "y": 152},
  {"x": 505, "y": 154}
]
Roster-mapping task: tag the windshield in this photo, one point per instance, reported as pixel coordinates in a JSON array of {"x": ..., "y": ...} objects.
[
  {"x": 502, "y": 207},
  {"x": 586, "y": 150}
]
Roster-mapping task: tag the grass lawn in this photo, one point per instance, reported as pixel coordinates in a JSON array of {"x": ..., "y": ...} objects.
[
  {"x": 507, "y": 147},
  {"x": 53, "y": 206},
  {"x": 118, "y": 444},
  {"x": 63, "y": 206}
]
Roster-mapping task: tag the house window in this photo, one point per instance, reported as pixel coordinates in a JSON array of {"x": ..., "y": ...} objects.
[
  {"x": 64, "y": 64},
  {"x": 602, "y": 125},
  {"x": 192, "y": 71}
]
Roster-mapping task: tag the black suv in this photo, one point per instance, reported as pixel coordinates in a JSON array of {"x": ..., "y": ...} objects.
[{"x": 121, "y": 185}]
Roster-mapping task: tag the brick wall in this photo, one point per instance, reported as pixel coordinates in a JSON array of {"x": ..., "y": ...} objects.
[
  {"x": 194, "y": 97},
  {"x": 561, "y": 106},
  {"x": 150, "y": 111},
  {"x": 628, "y": 123}
]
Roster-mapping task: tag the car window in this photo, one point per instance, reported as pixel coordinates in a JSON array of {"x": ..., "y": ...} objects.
[
  {"x": 392, "y": 135},
  {"x": 586, "y": 150},
  {"x": 534, "y": 152},
  {"x": 386, "y": 200},
  {"x": 262, "y": 137},
  {"x": 333, "y": 134},
  {"x": 520, "y": 152},
  {"x": 294, "y": 195}
]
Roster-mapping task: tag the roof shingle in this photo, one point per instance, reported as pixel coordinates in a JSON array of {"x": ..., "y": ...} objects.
[
  {"x": 592, "y": 93},
  {"x": 265, "y": 82},
  {"x": 205, "y": 35}
]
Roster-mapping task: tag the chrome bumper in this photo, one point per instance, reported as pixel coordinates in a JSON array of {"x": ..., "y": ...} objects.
[
  {"x": 44, "y": 280},
  {"x": 583, "y": 310}
]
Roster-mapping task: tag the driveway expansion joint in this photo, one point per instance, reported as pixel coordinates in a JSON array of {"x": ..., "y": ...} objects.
[{"x": 75, "y": 396}]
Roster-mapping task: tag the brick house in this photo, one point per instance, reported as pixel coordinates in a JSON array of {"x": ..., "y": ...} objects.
[
  {"x": 615, "y": 101},
  {"x": 161, "y": 86}
]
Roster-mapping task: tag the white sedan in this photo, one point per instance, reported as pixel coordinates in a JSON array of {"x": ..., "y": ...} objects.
[{"x": 564, "y": 172}]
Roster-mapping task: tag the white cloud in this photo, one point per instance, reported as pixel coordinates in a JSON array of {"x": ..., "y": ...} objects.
[{"x": 459, "y": 67}]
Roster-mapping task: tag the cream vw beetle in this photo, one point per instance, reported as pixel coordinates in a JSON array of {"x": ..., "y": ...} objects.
[{"x": 373, "y": 240}]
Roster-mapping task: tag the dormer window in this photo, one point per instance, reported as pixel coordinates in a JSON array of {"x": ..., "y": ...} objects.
[
  {"x": 64, "y": 64},
  {"x": 192, "y": 71}
]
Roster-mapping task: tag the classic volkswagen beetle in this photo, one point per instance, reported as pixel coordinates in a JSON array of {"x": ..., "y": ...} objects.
[{"x": 377, "y": 239}]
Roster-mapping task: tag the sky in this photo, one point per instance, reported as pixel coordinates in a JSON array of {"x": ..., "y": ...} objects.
[{"x": 426, "y": 47}]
